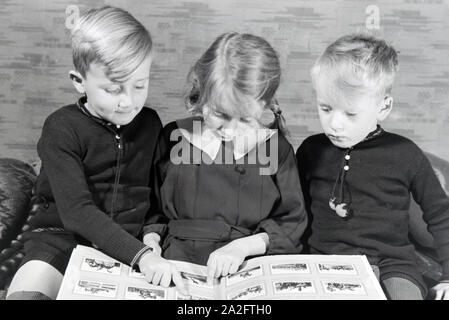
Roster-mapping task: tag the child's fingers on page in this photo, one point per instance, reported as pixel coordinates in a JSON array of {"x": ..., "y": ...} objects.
[
  {"x": 233, "y": 268},
  {"x": 148, "y": 274},
  {"x": 157, "y": 278},
  {"x": 438, "y": 294},
  {"x": 226, "y": 265},
  {"x": 211, "y": 266},
  {"x": 179, "y": 283},
  {"x": 219, "y": 268},
  {"x": 166, "y": 278}
]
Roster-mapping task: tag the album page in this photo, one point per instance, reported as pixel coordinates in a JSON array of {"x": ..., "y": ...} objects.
[
  {"x": 324, "y": 277},
  {"x": 93, "y": 275}
]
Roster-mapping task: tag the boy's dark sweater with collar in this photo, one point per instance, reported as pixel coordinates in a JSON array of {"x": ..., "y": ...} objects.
[
  {"x": 382, "y": 172},
  {"x": 95, "y": 178}
]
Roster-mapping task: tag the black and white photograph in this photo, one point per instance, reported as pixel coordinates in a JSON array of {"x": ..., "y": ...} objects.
[
  {"x": 136, "y": 293},
  {"x": 214, "y": 132},
  {"x": 195, "y": 279},
  {"x": 246, "y": 274},
  {"x": 133, "y": 273},
  {"x": 335, "y": 268},
  {"x": 287, "y": 268},
  {"x": 102, "y": 266},
  {"x": 293, "y": 287},
  {"x": 343, "y": 288},
  {"x": 180, "y": 296},
  {"x": 97, "y": 289},
  {"x": 248, "y": 293}
]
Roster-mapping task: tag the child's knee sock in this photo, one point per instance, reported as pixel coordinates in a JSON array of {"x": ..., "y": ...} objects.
[
  {"x": 27, "y": 295},
  {"x": 401, "y": 289}
]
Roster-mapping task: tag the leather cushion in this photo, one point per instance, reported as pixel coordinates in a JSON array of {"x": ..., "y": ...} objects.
[{"x": 16, "y": 183}]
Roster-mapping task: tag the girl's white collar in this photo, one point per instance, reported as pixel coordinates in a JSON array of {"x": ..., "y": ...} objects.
[{"x": 206, "y": 140}]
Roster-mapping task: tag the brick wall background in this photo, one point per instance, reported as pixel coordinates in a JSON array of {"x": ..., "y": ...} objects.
[{"x": 35, "y": 58}]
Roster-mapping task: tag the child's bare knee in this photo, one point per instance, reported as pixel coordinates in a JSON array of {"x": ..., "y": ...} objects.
[{"x": 36, "y": 276}]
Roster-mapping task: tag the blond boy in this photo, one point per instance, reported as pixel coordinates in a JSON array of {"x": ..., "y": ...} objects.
[
  {"x": 357, "y": 178},
  {"x": 94, "y": 186}
]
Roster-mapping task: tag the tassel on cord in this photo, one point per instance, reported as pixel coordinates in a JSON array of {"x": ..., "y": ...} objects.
[
  {"x": 341, "y": 208},
  {"x": 337, "y": 204}
]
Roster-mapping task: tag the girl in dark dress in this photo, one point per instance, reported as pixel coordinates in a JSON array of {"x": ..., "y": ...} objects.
[{"x": 227, "y": 176}]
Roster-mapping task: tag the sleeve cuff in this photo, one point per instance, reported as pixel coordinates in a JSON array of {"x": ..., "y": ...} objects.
[
  {"x": 135, "y": 261},
  {"x": 278, "y": 241}
]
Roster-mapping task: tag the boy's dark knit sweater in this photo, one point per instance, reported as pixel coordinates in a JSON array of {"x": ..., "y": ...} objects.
[
  {"x": 95, "y": 177},
  {"x": 384, "y": 170}
]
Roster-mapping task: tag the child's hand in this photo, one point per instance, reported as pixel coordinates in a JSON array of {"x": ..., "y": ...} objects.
[
  {"x": 152, "y": 240},
  {"x": 226, "y": 260},
  {"x": 160, "y": 271},
  {"x": 441, "y": 291}
]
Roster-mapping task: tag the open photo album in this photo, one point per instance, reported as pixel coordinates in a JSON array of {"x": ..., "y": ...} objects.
[{"x": 93, "y": 275}]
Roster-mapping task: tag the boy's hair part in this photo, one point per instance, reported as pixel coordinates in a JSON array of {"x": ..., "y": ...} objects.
[
  {"x": 111, "y": 37},
  {"x": 358, "y": 63}
]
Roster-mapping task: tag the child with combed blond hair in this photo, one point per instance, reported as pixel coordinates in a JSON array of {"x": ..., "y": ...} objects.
[
  {"x": 94, "y": 185},
  {"x": 357, "y": 178}
]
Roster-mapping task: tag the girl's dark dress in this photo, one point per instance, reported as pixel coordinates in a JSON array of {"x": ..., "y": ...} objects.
[{"x": 205, "y": 206}]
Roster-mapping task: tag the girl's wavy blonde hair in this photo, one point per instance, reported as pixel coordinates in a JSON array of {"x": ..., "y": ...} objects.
[{"x": 234, "y": 74}]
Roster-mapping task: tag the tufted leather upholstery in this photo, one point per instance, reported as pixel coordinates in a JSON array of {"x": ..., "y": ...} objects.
[{"x": 16, "y": 184}]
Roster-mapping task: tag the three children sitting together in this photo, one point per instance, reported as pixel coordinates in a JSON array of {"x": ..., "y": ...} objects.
[{"x": 197, "y": 189}]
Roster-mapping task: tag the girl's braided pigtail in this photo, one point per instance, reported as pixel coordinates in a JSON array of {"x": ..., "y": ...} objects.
[{"x": 279, "y": 119}]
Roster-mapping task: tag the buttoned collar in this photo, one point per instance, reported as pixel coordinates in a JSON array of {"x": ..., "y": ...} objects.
[{"x": 371, "y": 136}]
